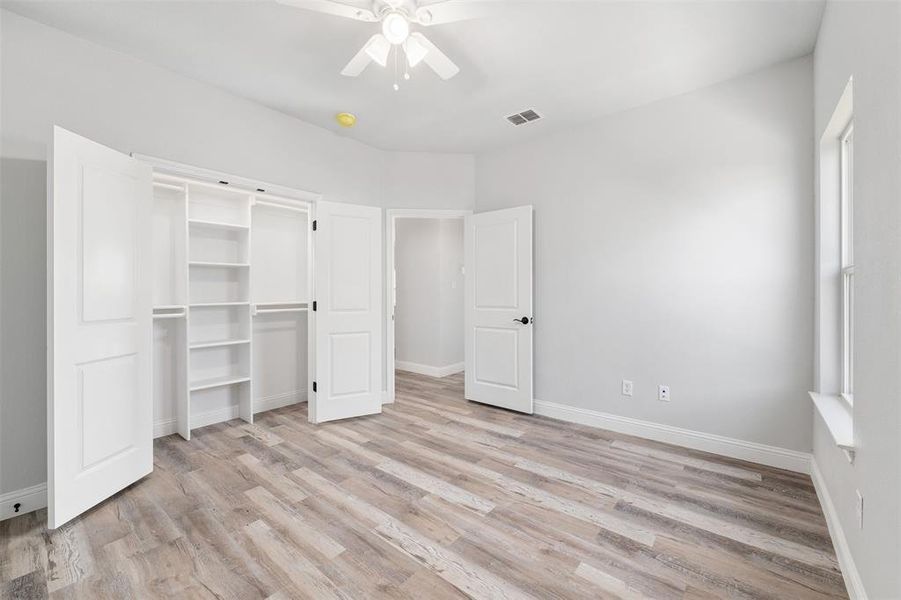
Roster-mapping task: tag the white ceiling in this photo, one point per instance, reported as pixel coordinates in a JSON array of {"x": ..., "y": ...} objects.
[{"x": 570, "y": 60}]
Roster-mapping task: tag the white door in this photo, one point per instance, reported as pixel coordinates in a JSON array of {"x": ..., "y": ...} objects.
[
  {"x": 99, "y": 412},
  {"x": 348, "y": 276},
  {"x": 498, "y": 297}
]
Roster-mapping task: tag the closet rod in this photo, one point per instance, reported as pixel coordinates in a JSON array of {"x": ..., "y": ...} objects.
[
  {"x": 285, "y": 304},
  {"x": 263, "y": 311},
  {"x": 169, "y": 186},
  {"x": 284, "y": 206},
  {"x": 169, "y": 315}
]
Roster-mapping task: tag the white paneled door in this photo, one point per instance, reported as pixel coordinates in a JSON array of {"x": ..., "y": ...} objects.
[
  {"x": 99, "y": 325},
  {"x": 348, "y": 277},
  {"x": 498, "y": 296}
]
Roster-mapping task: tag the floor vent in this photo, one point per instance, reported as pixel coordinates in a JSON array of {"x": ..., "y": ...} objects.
[{"x": 526, "y": 116}]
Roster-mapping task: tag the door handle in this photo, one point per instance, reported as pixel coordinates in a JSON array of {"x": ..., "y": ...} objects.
[{"x": 524, "y": 320}]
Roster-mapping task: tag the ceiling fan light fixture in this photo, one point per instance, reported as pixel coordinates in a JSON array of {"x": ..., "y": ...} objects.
[
  {"x": 395, "y": 28},
  {"x": 378, "y": 49},
  {"x": 415, "y": 51}
]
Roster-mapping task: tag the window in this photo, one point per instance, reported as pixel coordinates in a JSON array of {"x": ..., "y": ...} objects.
[
  {"x": 846, "y": 191},
  {"x": 834, "y": 310}
]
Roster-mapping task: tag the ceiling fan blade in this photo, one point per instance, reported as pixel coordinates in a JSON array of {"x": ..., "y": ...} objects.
[
  {"x": 378, "y": 48},
  {"x": 333, "y": 7},
  {"x": 414, "y": 50},
  {"x": 435, "y": 58},
  {"x": 451, "y": 11},
  {"x": 374, "y": 49}
]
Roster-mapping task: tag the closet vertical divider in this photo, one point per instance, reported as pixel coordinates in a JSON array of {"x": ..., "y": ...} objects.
[
  {"x": 247, "y": 399},
  {"x": 183, "y": 408}
]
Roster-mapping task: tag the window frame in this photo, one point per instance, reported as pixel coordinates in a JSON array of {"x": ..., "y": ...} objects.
[{"x": 846, "y": 200}]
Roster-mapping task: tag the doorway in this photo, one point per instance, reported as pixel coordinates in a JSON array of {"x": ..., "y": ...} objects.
[{"x": 424, "y": 316}]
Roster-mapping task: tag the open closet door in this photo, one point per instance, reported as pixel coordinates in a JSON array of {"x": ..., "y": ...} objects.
[
  {"x": 348, "y": 275},
  {"x": 498, "y": 314},
  {"x": 99, "y": 412}
]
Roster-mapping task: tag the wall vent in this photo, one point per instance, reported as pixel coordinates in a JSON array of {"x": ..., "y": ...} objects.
[{"x": 526, "y": 116}]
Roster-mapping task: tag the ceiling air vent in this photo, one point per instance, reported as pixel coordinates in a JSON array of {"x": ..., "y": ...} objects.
[{"x": 526, "y": 116}]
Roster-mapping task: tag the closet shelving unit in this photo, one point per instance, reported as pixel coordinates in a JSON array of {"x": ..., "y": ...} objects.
[{"x": 227, "y": 260}]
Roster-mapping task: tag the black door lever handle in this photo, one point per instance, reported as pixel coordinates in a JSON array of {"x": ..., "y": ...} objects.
[{"x": 524, "y": 320}]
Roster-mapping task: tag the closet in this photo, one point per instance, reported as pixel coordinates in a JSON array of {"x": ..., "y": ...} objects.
[
  {"x": 180, "y": 297},
  {"x": 231, "y": 295}
]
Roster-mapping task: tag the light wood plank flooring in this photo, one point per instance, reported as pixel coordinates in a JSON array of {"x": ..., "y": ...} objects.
[{"x": 436, "y": 498}]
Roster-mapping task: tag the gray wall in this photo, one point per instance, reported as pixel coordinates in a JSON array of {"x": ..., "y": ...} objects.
[
  {"x": 23, "y": 325},
  {"x": 863, "y": 40},
  {"x": 450, "y": 265},
  {"x": 49, "y": 77},
  {"x": 674, "y": 245},
  {"x": 429, "y": 312}
]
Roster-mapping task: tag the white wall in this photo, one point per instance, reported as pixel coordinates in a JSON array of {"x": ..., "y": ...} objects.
[
  {"x": 674, "y": 245},
  {"x": 428, "y": 326},
  {"x": 863, "y": 40},
  {"x": 451, "y": 268},
  {"x": 49, "y": 77}
]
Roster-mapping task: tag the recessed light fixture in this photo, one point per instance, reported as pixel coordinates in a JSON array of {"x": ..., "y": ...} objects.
[{"x": 346, "y": 119}]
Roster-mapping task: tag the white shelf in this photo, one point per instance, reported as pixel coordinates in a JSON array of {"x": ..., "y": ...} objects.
[
  {"x": 218, "y": 344},
  {"x": 198, "y": 263},
  {"x": 836, "y": 413},
  {"x": 269, "y": 311},
  {"x": 217, "y": 304},
  {"x": 206, "y": 384},
  {"x": 218, "y": 225},
  {"x": 174, "y": 311}
]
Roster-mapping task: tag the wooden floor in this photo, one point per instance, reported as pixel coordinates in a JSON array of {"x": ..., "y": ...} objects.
[{"x": 436, "y": 498}]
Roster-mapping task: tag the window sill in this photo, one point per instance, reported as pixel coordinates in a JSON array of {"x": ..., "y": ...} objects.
[{"x": 836, "y": 413}]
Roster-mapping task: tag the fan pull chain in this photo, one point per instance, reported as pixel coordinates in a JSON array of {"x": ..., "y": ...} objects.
[
  {"x": 406, "y": 66},
  {"x": 396, "y": 86}
]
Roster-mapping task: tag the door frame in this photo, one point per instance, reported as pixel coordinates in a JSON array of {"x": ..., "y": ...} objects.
[{"x": 391, "y": 217}]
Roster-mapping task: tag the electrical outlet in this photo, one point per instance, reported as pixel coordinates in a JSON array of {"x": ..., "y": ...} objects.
[
  {"x": 859, "y": 510},
  {"x": 663, "y": 393},
  {"x": 627, "y": 387}
]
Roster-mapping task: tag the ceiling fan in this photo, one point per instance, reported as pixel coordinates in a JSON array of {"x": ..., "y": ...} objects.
[{"x": 396, "y": 16}]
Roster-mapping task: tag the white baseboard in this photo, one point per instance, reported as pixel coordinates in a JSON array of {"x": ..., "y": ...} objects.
[
  {"x": 165, "y": 427},
  {"x": 29, "y": 499},
  {"x": 429, "y": 370},
  {"x": 853, "y": 582},
  {"x": 278, "y": 401},
  {"x": 772, "y": 456}
]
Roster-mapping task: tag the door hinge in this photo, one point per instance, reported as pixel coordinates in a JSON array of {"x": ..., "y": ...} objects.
[
  {"x": 314, "y": 306},
  {"x": 314, "y": 386},
  {"x": 314, "y": 225}
]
